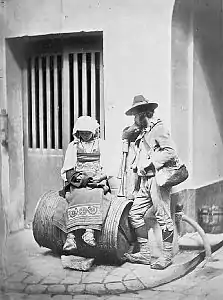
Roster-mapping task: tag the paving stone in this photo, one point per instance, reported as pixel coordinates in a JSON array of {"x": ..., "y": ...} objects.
[
  {"x": 56, "y": 289},
  {"x": 197, "y": 297},
  {"x": 12, "y": 296},
  {"x": 104, "y": 268},
  {"x": 218, "y": 256},
  {"x": 148, "y": 282},
  {"x": 40, "y": 269},
  {"x": 84, "y": 275},
  {"x": 113, "y": 278},
  {"x": 115, "y": 287},
  {"x": 142, "y": 270},
  {"x": 155, "y": 277},
  {"x": 87, "y": 297},
  {"x": 15, "y": 286},
  {"x": 134, "y": 285},
  {"x": 182, "y": 284},
  {"x": 209, "y": 272},
  {"x": 73, "y": 273},
  {"x": 126, "y": 296},
  {"x": 198, "y": 290},
  {"x": 71, "y": 279},
  {"x": 130, "y": 276},
  {"x": 18, "y": 277},
  {"x": 32, "y": 279},
  {"x": 120, "y": 272},
  {"x": 38, "y": 297},
  {"x": 104, "y": 297},
  {"x": 59, "y": 271},
  {"x": 96, "y": 288},
  {"x": 96, "y": 276},
  {"x": 128, "y": 265},
  {"x": 213, "y": 286},
  {"x": 51, "y": 280},
  {"x": 217, "y": 295},
  {"x": 12, "y": 269},
  {"x": 217, "y": 263},
  {"x": 168, "y": 296},
  {"x": 36, "y": 288},
  {"x": 62, "y": 297},
  {"x": 149, "y": 294},
  {"x": 27, "y": 269},
  {"x": 76, "y": 288}
]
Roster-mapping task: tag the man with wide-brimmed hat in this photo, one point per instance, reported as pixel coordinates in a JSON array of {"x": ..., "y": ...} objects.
[{"x": 154, "y": 148}]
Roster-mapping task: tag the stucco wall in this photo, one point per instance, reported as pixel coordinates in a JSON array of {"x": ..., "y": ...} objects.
[
  {"x": 15, "y": 141},
  {"x": 4, "y": 157},
  {"x": 3, "y": 226},
  {"x": 208, "y": 92},
  {"x": 197, "y": 67},
  {"x": 182, "y": 87}
]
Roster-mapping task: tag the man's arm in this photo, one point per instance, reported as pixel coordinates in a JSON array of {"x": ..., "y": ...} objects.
[{"x": 164, "y": 148}]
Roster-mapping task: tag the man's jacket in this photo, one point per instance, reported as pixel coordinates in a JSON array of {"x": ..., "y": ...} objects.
[{"x": 154, "y": 148}]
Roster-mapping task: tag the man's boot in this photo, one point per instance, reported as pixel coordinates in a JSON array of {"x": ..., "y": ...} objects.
[
  {"x": 165, "y": 259},
  {"x": 141, "y": 257}
]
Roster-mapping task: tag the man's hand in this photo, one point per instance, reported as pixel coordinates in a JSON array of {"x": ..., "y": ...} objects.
[
  {"x": 131, "y": 132},
  {"x": 144, "y": 171}
]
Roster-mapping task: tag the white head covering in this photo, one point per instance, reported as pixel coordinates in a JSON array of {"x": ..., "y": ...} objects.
[{"x": 86, "y": 123}]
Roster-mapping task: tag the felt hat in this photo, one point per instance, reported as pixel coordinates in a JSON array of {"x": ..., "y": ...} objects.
[{"x": 140, "y": 104}]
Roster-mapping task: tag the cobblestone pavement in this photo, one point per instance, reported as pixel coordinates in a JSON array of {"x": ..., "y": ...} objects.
[{"x": 34, "y": 273}]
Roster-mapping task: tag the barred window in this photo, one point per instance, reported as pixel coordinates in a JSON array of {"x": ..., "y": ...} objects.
[{"x": 61, "y": 87}]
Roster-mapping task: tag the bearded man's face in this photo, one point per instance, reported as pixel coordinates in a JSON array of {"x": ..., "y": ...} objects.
[{"x": 140, "y": 120}]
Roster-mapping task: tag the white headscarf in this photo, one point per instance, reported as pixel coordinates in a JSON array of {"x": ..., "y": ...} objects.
[
  {"x": 86, "y": 123},
  {"x": 83, "y": 123}
]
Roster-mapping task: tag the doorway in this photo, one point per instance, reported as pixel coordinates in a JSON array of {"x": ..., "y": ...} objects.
[{"x": 62, "y": 80}]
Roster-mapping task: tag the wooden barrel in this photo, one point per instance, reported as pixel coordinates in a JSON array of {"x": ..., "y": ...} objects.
[
  {"x": 113, "y": 241},
  {"x": 45, "y": 232}
]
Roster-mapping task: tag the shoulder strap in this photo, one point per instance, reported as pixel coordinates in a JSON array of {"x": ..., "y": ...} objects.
[
  {"x": 148, "y": 129},
  {"x": 153, "y": 124}
]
